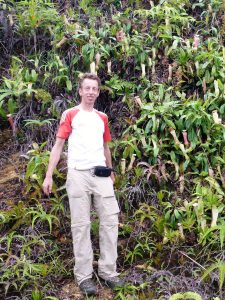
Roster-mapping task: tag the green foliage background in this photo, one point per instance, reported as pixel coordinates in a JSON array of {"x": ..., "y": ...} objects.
[{"x": 162, "y": 69}]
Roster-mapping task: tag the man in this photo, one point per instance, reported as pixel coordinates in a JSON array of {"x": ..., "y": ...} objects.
[{"x": 88, "y": 136}]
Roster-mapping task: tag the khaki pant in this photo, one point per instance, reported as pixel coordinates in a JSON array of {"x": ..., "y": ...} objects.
[{"x": 80, "y": 186}]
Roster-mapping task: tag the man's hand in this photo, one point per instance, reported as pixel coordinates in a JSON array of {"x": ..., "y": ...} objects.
[{"x": 47, "y": 185}]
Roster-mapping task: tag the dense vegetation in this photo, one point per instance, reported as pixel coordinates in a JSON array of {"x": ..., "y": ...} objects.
[{"x": 162, "y": 67}]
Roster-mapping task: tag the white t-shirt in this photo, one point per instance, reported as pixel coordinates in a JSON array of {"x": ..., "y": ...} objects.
[{"x": 86, "y": 132}]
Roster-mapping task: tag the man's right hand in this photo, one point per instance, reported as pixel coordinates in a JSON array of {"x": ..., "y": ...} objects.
[{"x": 47, "y": 185}]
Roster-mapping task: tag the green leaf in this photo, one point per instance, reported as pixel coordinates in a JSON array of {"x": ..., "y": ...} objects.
[
  {"x": 8, "y": 84},
  {"x": 12, "y": 105},
  {"x": 69, "y": 85},
  {"x": 169, "y": 122},
  {"x": 177, "y": 296},
  {"x": 187, "y": 295},
  {"x": 177, "y": 214},
  {"x": 34, "y": 75},
  {"x": 4, "y": 95},
  {"x": 222, "y": 234},
  {"x": 161, "y": 91}
]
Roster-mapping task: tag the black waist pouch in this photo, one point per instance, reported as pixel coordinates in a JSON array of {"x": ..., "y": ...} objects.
[{"x": 102, "y": 171}]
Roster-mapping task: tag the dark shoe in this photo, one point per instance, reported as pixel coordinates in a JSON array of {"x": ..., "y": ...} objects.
[
  {"x": 114, "y": 282},
  {"x": 88, "y": 287}
]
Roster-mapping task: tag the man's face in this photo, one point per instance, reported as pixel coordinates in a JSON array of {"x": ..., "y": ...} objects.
[{"x": 89, "y": 91}]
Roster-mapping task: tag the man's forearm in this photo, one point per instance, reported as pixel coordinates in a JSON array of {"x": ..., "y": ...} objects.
[
  {"x": 108, "y": 157},
  {"x": 53, "y": 161},
  {"x": 108, "y": 160},
  {"x": 54, "y": 158}
]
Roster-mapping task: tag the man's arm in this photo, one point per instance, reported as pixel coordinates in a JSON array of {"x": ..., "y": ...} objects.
[
  {"x": 53, "y": 161},
  {"x": 108, "y": 159}
]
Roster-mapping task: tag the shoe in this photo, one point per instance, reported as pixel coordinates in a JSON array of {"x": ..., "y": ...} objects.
[
  {"x": 114, "y": 282},
  {"x": 88, "y": 287}
]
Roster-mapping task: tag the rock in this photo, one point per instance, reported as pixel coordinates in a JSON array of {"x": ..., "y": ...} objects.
[{"x": 7, "y": 174}]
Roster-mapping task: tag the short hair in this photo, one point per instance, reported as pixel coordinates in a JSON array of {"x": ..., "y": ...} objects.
[{"x": 89, "y": 76}]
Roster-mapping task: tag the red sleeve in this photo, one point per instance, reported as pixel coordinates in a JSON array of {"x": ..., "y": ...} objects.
[
  {"x": 106, "y": 135},
  {"x": 65, "y": 128}
]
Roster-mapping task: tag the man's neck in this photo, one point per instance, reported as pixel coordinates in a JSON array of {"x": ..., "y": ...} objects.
[{"x": 86, "y": 107}]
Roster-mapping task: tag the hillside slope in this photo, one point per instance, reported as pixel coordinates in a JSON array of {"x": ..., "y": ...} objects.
[{"x": 162, "y": 68}]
